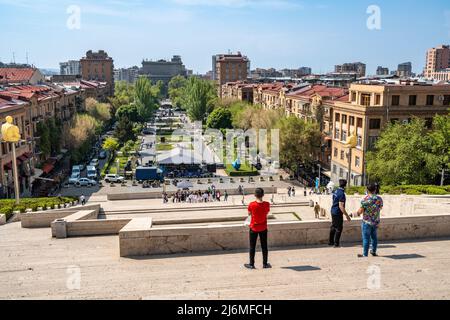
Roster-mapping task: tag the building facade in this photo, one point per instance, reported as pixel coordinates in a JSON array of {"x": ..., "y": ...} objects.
[
  {"x": 357, "y": 68},
  {"x": 404, "y": 70},
  {"x": 368, "y": 109},
  {"x": 437, "y": 59},
  {"x": 163, "y": 70},
  {"x": 70, "y": 68},
  {"x": 382, "y": 71},
  {"x": 98, "y": 66},
  {"x": 230, "y": 68}
]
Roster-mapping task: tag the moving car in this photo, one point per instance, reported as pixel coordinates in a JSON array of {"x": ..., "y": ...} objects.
[
  {"x": 94, "y": 163},
  {"x": 92, "y": 172},
  {"x": 114, "y": 178},
  {"x": 85, "y": 182}
]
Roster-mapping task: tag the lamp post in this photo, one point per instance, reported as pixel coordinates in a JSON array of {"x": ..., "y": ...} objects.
[
  {"x": 11, "y": 134},
  {"x": 351, "y": 143}
]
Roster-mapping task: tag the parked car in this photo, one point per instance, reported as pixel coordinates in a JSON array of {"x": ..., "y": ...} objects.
[
  {"x": 76, "y": 171},
  {"x": 102, "y": 155},
  {"x": 85, "y": 182},
  {"x": 114, "y": 178},
  {"x": 94, "y": 163},
  {"x": 74, "y": 179}
]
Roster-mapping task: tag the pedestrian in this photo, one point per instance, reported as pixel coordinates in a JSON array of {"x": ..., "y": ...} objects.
[
  {"x": 317, "y": 211},
  {"x": 371, "y": 206},
  {"x": 305, "y": 192},
  {"x": 258, "y": 211},
  {"x": 289, "y": 192},
  {"x": 293, "y": 191},
  {"x": 226, "y": 196},
  {"x": 83, "y": 200},
  {"x": 337, "y": 214}
]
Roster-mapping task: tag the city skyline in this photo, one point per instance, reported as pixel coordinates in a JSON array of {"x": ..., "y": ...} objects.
[{"x": 285, "y": 34}]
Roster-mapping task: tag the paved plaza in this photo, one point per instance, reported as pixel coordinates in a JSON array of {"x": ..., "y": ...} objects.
[{"x": 32, "y": 266}]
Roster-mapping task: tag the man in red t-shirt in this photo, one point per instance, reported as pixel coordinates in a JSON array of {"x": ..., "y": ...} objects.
[{"x": 258, "y": 210}]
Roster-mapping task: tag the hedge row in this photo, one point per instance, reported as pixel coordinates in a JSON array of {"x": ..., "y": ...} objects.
[
  {"x": 244, "y": 172},
  {"x": 8, "y": 206},
  {"x": 406, "y": 189}
]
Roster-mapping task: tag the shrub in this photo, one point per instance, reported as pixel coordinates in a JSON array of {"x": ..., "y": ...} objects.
[{"x": 8, "y": 206}]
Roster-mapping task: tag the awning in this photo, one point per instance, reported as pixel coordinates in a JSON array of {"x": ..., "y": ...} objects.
[{"x": 47, "y": 168}]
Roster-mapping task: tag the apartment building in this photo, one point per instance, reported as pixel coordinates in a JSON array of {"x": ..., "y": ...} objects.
[
  {"x": 368, "y": 109},
  {"x": 239, "y": 90},
  {"x": 358, "y": 68},
  {"x": 437, "y": 64},
  {"x": 98, "y": 66},
  {"x": 230, "y": 68},
  {"x": 70, "y": 68}
]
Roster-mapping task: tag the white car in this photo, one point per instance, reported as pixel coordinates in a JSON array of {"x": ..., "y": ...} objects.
[
  {"x": 114, "y": 178},
  {"x": 85, "y": 182},
  {"x": 74, "y": 178},
  {"x": 94, "y": 163}
]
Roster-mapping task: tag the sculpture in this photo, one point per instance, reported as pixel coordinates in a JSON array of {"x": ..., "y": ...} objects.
[
  {"x": 10, "y": 132},
  {"x": 237, "y": 164},
  {"x": 352, "y": 141}
]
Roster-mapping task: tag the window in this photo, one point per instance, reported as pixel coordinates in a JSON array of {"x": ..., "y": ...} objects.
[
  {"x": 341, "y": 173},
  {"x": 446, "y": 100},
  {"x": 334, "y": 169},
  {"x": 359, "y": 144},
  {"x": 337, "y": 134},
  {"x": 357, "y": 162},
  {"x": 338, "y": 117},
  {"x": 335, "y": 152},
  {"x": 413, "y": 100},
  {"x": 353, "y": 96},
  {"x": 342, "y": 155},
  {"x": 344, "y": 135},
  {"x": 372, "y": 142},
  {"x": 377, "y": 99},
  {"x": 359, "y": 122},
  {"x": 365, "y": 99},
  {"x": 430, "y": 100},
  {"x": 344, "y": 119},
  {"x": 374, "y": 124},
  {"x": 395, "y": 100},
  {"x": 352, "y": 121}
]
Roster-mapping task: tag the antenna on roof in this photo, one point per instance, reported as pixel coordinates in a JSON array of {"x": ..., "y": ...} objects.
[
  {"x": 14, "y": 57},
  {"x": 27, "y": 58}
]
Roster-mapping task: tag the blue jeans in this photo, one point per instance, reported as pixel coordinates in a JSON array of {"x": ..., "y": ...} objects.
[{"x": 369, "y": 234}]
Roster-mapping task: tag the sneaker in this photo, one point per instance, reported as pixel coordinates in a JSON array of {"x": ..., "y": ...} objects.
[
  {"x": 374, "y": 254},
  {"x": 337, "y": 246},
  {"x": 361, "y": 256},
  {"x": 267, "y": 266},
  {"x": 249, "y": 266}
]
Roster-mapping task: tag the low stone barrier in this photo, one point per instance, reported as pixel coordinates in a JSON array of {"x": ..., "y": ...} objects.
[
  {"x": 158, "y": 194},
  {"x": 140, "y": 238},
  {"x": 2, "y": 219},
  {"x": 60, "y": 227},
  {"x": 43, "y": 219}
]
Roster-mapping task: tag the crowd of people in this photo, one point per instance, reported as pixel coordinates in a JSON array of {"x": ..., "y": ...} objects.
[{"x": 186, "y": 196}]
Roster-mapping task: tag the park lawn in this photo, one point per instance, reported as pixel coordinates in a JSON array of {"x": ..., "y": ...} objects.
[
  {"x": 173, "y": 139},
  {"x": 245, "y": 171}
]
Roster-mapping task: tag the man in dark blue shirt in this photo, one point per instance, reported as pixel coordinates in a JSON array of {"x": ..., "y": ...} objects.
[{"x": 337, "y": 214}]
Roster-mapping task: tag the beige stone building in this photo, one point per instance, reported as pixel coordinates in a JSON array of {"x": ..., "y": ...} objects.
[
  {"x": 230, "y": 68},
  {"x": 368, "y": 109}
]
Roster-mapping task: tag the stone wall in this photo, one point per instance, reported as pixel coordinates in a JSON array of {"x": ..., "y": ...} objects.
[
  {"x": 143, "y": 239},
  {"x": 43, "y": 219}
]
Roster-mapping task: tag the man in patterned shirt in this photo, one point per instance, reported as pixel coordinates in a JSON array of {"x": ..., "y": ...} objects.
[{"x": 370, "y": 209}]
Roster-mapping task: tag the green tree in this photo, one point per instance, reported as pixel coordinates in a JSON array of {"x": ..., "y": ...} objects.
[
  {"x": 300, "y": 141},
  {"x": 124, "y": 94},
  {"x": 440, "y": 137},
  {"x": 220, "y": 118},
  {"x": 176, "y": 90},
  {"x": 43, "y": 133},
  {"x": 403, "y": 155},
  {"x": 199, "y": 97},
  {"x": 130, "y": 111},
  {"x": 146, "y": 101},
  {"x": 124, "y": 131},
  {"x": 111, "y": 145}
]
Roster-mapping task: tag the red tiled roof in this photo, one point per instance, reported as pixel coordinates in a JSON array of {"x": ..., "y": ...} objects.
[
  {"x": 12, "y": 75},
  {"x": 27, "y": 92},
  {"x": 324, "y": 91}
]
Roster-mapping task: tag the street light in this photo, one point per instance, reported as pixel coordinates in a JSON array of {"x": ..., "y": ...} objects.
[
  {"x": 11, "y": 134},
  {"x": 350, "y": 144}
]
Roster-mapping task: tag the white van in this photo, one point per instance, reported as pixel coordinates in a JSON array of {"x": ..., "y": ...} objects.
[{"x": 92, "y": 172}]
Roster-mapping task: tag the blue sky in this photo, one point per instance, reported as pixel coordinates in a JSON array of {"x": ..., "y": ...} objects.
[{"x": 273, "y": 33}]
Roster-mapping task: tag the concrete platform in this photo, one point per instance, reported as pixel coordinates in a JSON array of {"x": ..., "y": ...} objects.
[{"x": 34, "y": 266}]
